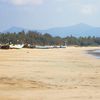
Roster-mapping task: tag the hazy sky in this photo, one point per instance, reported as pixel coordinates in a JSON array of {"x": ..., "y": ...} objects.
[{"x": 42, "y": 14}]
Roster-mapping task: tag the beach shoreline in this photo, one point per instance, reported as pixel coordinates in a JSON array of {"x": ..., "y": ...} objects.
[
  {"x": 95, "y": 53},
  {"x": 49, "y": 74}
]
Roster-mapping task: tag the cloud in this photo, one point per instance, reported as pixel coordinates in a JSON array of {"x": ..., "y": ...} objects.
[
  {"x": 60, "y": 0},
  {"x": 24, "y": 2},
  {"x": 59, "y": 10},
  {"x": 88, "y": 9}
]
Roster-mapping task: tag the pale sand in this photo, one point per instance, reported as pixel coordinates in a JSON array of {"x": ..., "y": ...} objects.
[{"x": 50, "y": 74}]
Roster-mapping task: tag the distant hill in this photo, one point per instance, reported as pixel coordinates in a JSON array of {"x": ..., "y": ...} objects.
[
  {"x": 75, "y": 30},
  {"x": 15, "y": 29}
]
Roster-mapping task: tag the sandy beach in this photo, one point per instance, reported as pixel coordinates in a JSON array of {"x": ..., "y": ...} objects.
[{"x": 49, "y": 74}]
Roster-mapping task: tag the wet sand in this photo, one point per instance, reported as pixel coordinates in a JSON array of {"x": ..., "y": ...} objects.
[
  {"x": 95, "y": 53},
  {"x": 49, "y": 74}
]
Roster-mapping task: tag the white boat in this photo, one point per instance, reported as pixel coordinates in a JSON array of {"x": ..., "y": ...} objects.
[
  {"x": 62, "y": 46},
  {"x": 17, "y": 46},
  {"x": 41, "y": 47}
]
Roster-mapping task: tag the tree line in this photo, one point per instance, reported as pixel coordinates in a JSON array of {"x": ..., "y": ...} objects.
[
  {"x": 30, "y": 37},
  {"x": 36, "y": 38}
]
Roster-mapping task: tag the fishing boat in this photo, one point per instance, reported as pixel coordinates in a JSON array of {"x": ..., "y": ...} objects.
[
  {"x": 41, "y": 47},
  {"x": 17, "y": 46},
  {"x": 4, "y": 47}
]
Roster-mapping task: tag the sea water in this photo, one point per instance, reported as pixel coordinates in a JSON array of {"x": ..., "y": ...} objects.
[{"x": 97, "y": 52}]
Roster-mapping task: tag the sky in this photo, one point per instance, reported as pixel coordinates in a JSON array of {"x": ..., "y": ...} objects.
[{"x": 44, "y": 14}]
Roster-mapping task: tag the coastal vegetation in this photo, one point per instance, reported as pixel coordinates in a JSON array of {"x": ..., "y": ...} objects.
[{"x": 36, "y": 38}]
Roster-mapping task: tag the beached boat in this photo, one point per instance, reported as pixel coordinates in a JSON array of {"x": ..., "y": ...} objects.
[
  {"x": 41, "y": 47},
  {"x": 49, "y": 47},
  {"x": 17, "y": 46},
  {"x": 62, "y": 46},
  {"x": 4, "y": 46}
]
